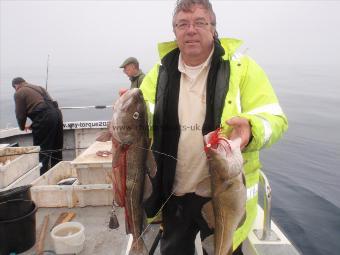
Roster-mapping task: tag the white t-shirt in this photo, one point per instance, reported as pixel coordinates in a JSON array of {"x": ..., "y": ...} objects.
[{"x": 192, "y": 165}]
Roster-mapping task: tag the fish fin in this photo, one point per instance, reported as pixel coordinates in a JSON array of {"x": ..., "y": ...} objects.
[
  {"x": 203, "y": 188},
  {"x": 221, "y": 188},
  {"x": 138, "y": 247},
  {"x": 244, "y": 180},
  {"x": 148, "y": 142},
  {"x": 151, "y": 165},
  {"x": 145, "y": 223},
  {"x": 208, "y": 215},
  {"x": 116, "y": 156},
  {"x": 147, "y": 187},
  {"x": 208, "y": 245},
  {"x": 104, "y": 136},
  {"x": 242, "y": 220}
]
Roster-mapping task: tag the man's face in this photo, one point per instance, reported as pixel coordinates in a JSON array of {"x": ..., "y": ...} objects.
[
  {"x": 130, "y": 70},
  {"x": 17, "y": 86},
  {"x": 194, "y": 34}
]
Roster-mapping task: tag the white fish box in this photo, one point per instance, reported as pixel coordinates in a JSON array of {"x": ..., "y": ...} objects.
[
  {"x": 15, "y": 162},
  {"x": 94, "y": 169},
  {"x": 46, "y": 193},
  {"x": 25, "y": 179}
]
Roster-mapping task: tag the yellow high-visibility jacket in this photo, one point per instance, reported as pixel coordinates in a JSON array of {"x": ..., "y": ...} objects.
[{"x": 249, "y": 95}]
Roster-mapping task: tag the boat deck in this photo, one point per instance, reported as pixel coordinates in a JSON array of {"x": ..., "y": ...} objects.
[
  {"x": 102, "y": 240},
  {"x": 99, "y": 238}
]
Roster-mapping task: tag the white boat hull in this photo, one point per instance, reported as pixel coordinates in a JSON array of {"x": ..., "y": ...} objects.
[{"x": 99, "y": 238}]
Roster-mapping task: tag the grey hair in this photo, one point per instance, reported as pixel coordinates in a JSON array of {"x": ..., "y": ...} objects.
[{"x": 186, "y": 5}]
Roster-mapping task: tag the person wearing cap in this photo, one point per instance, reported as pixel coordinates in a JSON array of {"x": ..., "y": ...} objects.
[
  {"x": 131, "y": 69},
  {"x": 35, "y": 103}
]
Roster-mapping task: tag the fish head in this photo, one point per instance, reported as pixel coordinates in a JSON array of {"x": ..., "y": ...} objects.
[
  {"x": 223, "y": 153},
  {"x": 129, "y": 118}
]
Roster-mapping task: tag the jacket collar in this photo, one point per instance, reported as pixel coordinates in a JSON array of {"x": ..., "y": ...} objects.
[
  {"x": 136, "y": 76},
  {"x": 229, "y": 45}
]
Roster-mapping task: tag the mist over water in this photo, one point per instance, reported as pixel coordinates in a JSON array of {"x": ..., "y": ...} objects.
[
  {"x": 296, "y": 42},
  {"x": 303, "y": 166}
]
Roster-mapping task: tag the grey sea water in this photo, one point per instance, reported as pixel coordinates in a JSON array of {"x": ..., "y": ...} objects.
[
  {"x": 304, "y": 166},
  {"x": 296, "y": 42}
]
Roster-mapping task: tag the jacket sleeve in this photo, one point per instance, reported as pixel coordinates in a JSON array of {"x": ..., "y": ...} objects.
[
  {"x": 20, "y": 110},
  {"x": 261, "y": 107}
]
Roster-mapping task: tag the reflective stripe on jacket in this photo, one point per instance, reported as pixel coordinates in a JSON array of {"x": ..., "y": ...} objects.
[{"x": 250, "y": 95}]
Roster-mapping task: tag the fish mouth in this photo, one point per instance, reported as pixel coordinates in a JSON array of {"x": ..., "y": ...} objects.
[
  {"x": 132, "y": 96},
  {"x": 133, "y": 92}
]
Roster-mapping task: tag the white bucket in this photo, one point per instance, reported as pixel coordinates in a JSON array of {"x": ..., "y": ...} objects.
[{"x": 68, "y": 238}]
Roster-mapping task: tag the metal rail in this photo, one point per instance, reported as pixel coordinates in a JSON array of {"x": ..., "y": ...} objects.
[
  {"x": 266, "y": 234},
  {"x": 86, "y": 107},
  {"x": 267, "y": 206}
]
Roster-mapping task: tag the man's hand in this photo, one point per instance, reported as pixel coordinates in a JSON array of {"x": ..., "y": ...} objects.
[
  {"x": 122, "y": 91},
  {"x": 28, "y": 127},
  {"x": 241, "y": 128}
]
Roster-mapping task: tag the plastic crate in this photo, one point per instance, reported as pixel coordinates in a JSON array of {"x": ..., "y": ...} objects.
[
  {"x": 94, "y": 169},
  {"x": 46, "y": 193},
  {"x": 25, "y": 179},
  {"x": 15, "y": 162}
]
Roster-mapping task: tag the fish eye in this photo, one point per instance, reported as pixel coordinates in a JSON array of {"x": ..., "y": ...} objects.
[{"x": 135, "y": 115}]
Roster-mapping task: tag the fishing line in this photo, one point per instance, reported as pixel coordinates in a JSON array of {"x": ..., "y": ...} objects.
[
  {"x": 50, "y": 156},
  {"x": 172, "y": 193},
  {"x": 159, "y": 211},
  {"x": 47, "y": 152},
  {"x": 168, "y": 198},
  {"x": 162, "y": 153}
]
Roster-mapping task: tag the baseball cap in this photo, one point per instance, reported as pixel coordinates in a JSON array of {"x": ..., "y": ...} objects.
[{"x": 129, "y": 61}]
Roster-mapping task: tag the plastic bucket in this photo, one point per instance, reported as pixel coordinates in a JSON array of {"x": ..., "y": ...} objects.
[
  {"x": 68, "y": 237},
  {"x": 22, "y": 192},
  {"x": 17, "y": 233},
  {"x": 16, "y": 208}
]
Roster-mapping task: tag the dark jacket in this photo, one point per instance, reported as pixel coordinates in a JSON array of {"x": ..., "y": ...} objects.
[
  {"x": 28, "y": 98},
  {"x": 137, "y": 80},
  {"x": 166, "y": 126}
]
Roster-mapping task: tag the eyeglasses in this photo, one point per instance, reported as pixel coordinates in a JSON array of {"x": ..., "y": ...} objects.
[{"x": 185, "y": 25}]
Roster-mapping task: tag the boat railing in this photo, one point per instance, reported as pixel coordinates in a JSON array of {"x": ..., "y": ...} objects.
[
  {"x": 266, "y": 234},
  {"x": 86, "y": 107}
]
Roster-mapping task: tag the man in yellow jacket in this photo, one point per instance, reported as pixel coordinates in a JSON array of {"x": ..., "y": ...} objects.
[{"x": 200, "y": 85}]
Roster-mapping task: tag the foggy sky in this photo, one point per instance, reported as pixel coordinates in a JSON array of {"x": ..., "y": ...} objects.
[
  {"x": 88, "y": 40},
  {"x": 104, "y": 33}
]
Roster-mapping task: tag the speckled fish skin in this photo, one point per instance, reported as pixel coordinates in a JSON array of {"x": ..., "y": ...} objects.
[
  {"x": 129, "y": 131},
  {"x": 229, "y": 195}
]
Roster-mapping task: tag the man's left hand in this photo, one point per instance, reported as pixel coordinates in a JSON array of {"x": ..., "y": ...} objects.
[
  {"x": 241, "y": 128},
  {"x": 28, "y": 127},
  {"x": 122, "y": 91}
]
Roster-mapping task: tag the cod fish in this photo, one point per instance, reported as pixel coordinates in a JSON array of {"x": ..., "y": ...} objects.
[
  {"x": 132, "y": 163},
  {"x": 227, "y": 208}
]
